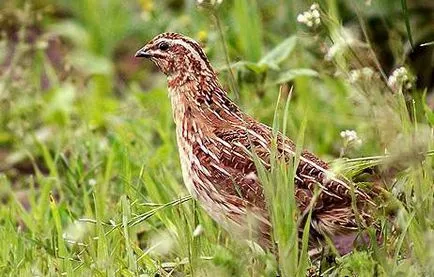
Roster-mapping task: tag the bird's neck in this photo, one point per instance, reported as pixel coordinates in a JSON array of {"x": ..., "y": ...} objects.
[{"x": 202, "y": 99}]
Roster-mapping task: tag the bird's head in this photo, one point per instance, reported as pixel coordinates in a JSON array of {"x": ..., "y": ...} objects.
[{"x": 176, "y": 54}]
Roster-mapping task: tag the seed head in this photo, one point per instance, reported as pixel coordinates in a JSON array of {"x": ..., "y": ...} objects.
[
  {"x": 351, "y": 137},
  {"x": 400, "y": 78},
  {"x": 310, "y": 17}
]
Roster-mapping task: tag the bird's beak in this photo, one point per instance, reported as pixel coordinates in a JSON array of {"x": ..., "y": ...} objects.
[{"x": 142, "y": 53}]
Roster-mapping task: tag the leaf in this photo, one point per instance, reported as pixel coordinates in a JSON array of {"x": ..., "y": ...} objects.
[
  {"x": 270, "y": 60},
  {"x": 91, "y": 64},
  {"x": 293, "y": 73},
  {"x": 255, "y": 67},
  {"x": 407, "y": 22},
  {"x": 247, "y": 21},
  {"x": 72, "y": 31},
  {"x": 279, "y": 53}
]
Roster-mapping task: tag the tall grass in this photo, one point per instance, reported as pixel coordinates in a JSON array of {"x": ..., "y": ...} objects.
[
  {"x": 90, "y": 181},
  {"x": 279, "y": 191}
]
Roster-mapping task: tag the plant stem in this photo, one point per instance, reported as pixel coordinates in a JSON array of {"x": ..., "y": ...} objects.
[{"x": 232, "y": 81}]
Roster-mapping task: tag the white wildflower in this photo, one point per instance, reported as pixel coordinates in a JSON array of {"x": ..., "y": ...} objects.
[
  {"x": 314, "y": 6},
  {"x": 198, "y": 231},
  {"x": 350, "y": 136},
  {"x": 92, "y": 182},
  {"x": 310, "y": 18},
  {"x": 400, "y": 77}
]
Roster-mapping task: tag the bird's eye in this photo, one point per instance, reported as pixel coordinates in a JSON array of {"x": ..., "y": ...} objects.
[{"x": 163, "y": 46}]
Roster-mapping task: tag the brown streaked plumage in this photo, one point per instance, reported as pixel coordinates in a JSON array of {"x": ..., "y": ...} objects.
[{"x": 215, "y": 139}]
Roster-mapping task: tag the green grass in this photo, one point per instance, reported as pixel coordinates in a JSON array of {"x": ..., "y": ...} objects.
[{"x": 90, "y": 180}]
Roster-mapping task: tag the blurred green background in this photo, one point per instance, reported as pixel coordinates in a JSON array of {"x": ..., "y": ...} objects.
[{"x": 87, "y": 143}]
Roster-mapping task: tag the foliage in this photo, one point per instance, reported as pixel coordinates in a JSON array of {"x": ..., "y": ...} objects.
[{"x": 90, "y": 180}]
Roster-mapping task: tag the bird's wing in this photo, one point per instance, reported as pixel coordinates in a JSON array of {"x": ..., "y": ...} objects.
[
  {"x": 228, "y": 168},
  {"x": 233, "y": 149}
]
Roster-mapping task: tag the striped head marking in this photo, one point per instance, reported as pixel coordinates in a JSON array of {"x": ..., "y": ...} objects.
[{"x": 176, "y": 54}]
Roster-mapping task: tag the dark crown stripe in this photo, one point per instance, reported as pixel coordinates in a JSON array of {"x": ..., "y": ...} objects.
[{"x": 199, "y": 50}]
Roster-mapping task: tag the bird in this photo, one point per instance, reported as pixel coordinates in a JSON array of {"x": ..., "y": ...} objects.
[{"x": 216, "y": 140}]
